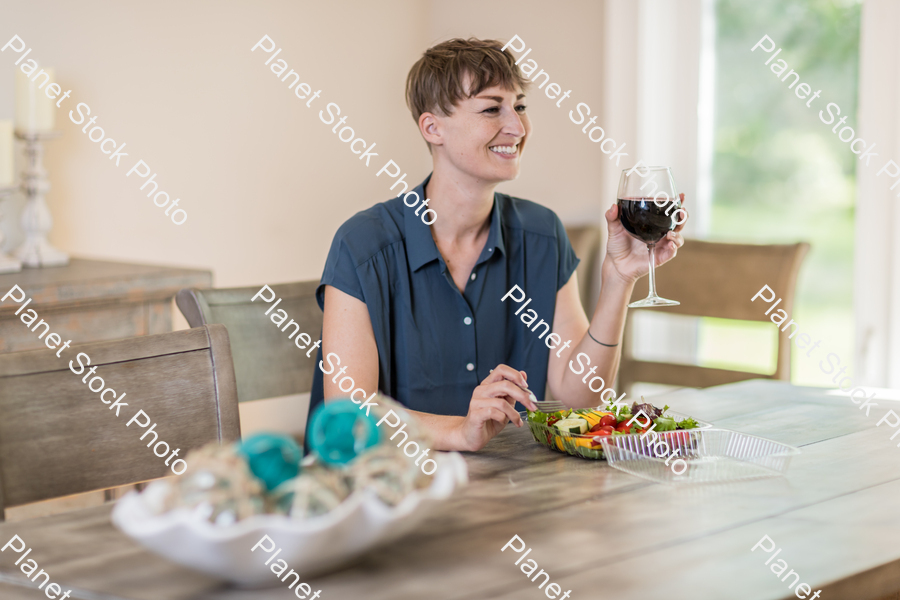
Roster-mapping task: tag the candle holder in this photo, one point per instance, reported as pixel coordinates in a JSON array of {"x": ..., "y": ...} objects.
[
  {"x": 36, "y": 251},
  {"x": 8, "y": 264}
]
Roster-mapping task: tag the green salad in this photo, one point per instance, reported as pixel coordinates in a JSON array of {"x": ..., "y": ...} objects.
[{"x": 578, "y": 431}]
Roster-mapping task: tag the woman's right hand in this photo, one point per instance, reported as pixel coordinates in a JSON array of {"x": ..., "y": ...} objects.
[{"x": 492, "y": 406}]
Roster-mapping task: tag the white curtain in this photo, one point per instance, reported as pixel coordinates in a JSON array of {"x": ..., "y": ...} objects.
[{"x": 876, "y": 280}]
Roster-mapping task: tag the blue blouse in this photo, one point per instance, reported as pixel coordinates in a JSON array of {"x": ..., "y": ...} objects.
[{"x": 435, "y": 344}]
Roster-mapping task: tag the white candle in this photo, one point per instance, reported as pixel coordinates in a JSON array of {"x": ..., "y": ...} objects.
[
  {"x": 35, "y": 111},
  {"x": 6, "y": 153}
]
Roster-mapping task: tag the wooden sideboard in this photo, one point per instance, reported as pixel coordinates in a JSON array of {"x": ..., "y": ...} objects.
[{"x": 92, "y": 300}]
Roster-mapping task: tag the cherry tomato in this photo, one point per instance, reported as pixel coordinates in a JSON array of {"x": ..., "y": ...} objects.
[
  {"x": 608, "y": 420},
  {"x": 623, "y": 427},
  {"x": 602, "y": 432}
]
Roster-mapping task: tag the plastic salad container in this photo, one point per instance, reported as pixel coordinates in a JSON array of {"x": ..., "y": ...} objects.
[{"x": 704, "y": 456}]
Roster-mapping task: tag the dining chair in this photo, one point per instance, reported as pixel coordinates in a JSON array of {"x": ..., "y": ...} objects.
[
  {"x": 60, "y": 433},
  {"x": 585, "y": 240},
  {"x": 267, "y": 363},
  {"x": 713, "y": 279}
]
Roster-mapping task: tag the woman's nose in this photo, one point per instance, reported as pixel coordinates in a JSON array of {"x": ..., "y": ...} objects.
[{"x": 513, "y": 125}]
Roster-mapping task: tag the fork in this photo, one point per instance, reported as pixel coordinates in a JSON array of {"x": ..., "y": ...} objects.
[{"x": 548, "y": 406}]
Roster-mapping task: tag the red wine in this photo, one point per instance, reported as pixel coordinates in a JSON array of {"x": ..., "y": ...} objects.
[{"x": 645, "y": 220}]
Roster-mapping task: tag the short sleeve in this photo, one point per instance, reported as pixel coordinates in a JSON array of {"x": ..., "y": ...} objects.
[
  {"x": 568, "y": 262},
  {"x": 340, "y": 272}
]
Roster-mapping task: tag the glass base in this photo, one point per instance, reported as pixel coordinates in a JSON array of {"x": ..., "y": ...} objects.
[{"x": 650, "y": 301}]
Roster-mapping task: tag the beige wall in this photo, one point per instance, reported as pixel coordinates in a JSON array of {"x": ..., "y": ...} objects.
[{"x": 265, "y": 183}]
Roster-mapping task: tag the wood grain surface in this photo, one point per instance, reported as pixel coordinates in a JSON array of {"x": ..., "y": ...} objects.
[
  {"x": 84, "y": 280},
  {"x": 58, "y": 437},
  {"x": 598, "y": 532},
  {"x": 91, "y": 300}
]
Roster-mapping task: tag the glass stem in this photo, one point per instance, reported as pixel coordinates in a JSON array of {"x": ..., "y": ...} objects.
[{"x": 652, "y": 248}]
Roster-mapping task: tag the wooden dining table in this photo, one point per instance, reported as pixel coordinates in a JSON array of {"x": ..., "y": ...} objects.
[{"x": 597, "y": 531}]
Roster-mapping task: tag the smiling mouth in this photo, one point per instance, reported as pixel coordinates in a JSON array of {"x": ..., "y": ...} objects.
[{"x": 505, "y": 149}]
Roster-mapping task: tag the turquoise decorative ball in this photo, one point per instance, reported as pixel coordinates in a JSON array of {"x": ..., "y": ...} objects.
[
  {"x": 272, "y": 457},
  {"x": 338, "y": 432}
]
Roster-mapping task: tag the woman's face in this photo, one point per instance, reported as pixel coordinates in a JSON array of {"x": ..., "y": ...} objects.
[{"x": 485, "y": 135}]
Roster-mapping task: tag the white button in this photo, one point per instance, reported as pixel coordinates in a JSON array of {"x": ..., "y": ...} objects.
[
  {"x": 470, "y": 367},
  {"x": 490, "y": 249},
  {"x": 473, "y": 277},
  {"x": 467, "y": 320}
]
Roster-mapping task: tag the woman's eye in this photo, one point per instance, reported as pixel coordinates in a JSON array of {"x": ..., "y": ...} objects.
[{"x": 496, "y": 109}]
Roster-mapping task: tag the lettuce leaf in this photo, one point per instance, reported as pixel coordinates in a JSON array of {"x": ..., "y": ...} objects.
[{"x": 688, "y": 423}]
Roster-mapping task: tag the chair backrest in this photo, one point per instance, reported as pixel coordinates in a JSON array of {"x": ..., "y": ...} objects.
[
  {"x": 585, "y": 240},
  {"x": 266, "y": 363},
  {"x": 717, "y": 280},
  {"x": 58, "y": 437}
]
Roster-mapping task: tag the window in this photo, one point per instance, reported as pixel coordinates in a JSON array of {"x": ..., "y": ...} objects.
[{"x": 779, "y": 174}]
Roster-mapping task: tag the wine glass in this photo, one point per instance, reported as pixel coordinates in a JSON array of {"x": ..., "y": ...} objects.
[{"x": 649, "y": 208}]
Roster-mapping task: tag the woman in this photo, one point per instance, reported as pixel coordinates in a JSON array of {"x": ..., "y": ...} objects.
[{"x": 416, "y": 310}]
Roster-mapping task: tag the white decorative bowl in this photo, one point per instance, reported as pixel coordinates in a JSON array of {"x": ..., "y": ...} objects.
[{"x": 309, "y": 546}]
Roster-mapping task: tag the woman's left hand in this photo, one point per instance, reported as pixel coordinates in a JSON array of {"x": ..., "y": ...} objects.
[{"x": 628, "y": 255}]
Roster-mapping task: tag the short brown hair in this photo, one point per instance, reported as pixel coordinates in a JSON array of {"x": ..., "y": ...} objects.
[{"x": 436, "y": 80}]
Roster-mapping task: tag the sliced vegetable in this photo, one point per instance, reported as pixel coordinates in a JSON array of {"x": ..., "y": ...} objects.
[
  {"x": 572, "y": 425},
  {"x": 591, "y": 418},
  {"x": 559, "y": 443}
]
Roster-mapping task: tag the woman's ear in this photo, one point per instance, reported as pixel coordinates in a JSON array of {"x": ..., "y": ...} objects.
[{"x": 430, "y": 127}]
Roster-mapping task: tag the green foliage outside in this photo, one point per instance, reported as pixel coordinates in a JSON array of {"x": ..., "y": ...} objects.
[{"x": 780, "y": 174}]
